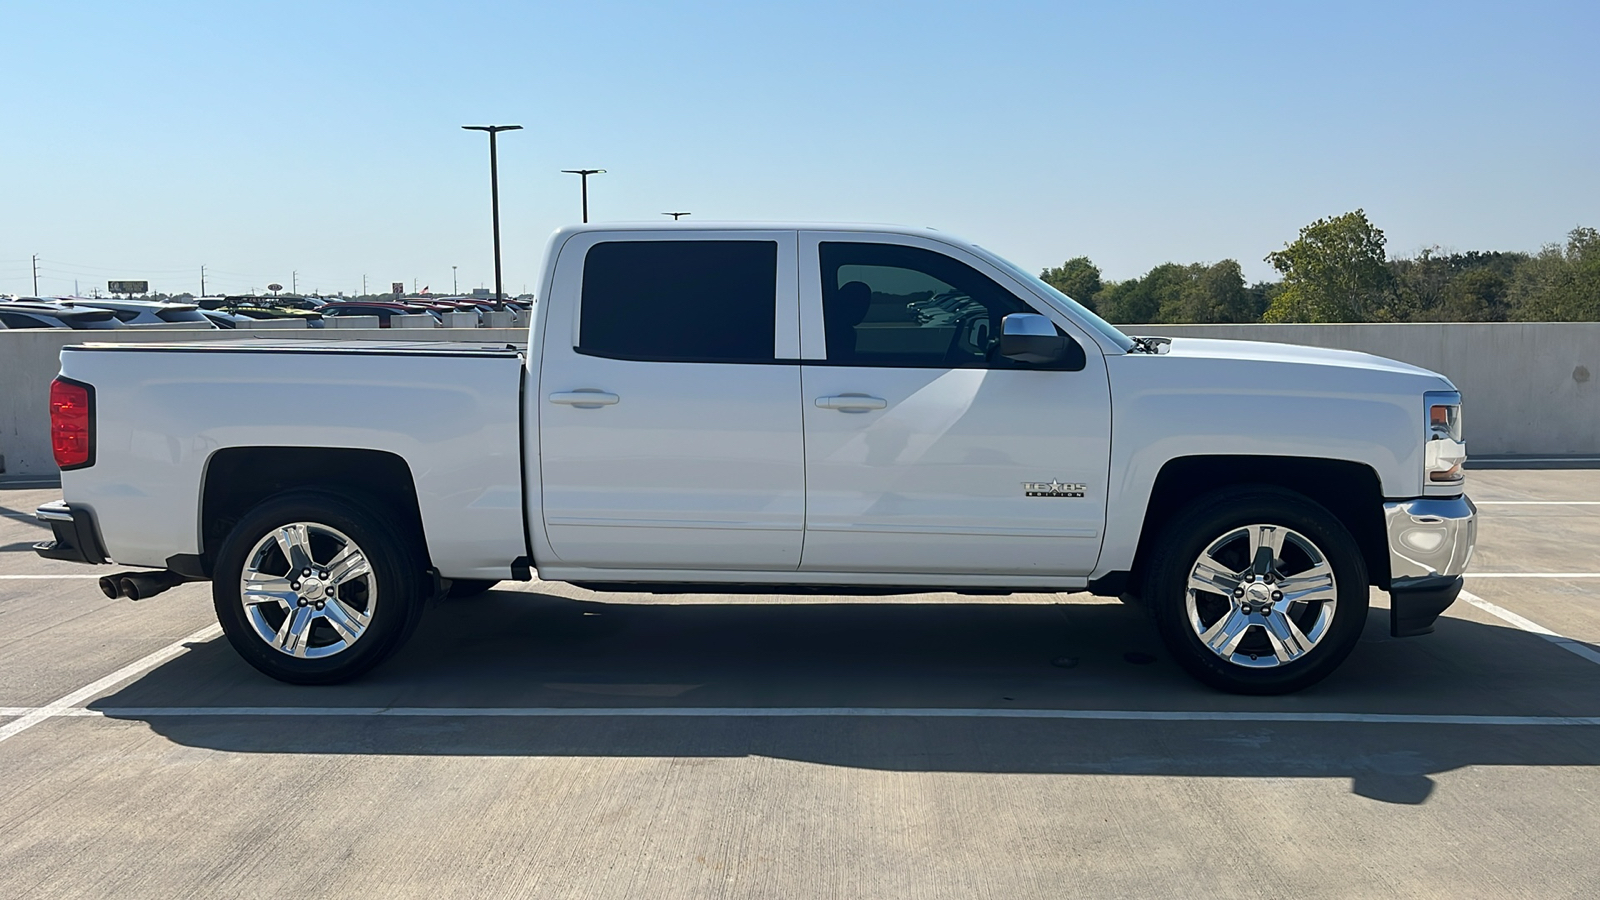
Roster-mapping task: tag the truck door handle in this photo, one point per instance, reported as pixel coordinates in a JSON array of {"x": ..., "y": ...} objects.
[
  {"x": 852, "y": 403},
  {"x": 584, "y": 399}
]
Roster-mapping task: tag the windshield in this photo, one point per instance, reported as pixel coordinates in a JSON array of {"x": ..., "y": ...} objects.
[{"x": 1084, "y": 313}]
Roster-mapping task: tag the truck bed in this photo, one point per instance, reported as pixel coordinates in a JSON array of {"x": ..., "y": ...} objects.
[{"x": 164, "y": 412}]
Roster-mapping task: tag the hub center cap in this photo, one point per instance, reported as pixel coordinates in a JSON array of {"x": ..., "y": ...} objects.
[
  {"x": 311, "y": 589},
  {"x": 1258, "y": 593}
]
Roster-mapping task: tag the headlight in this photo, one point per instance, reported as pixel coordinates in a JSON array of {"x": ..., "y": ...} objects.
[{"x": 1445, "y": 452}]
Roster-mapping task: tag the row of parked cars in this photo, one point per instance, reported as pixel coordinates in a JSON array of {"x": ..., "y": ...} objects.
[{"x": 228, "y": 312}]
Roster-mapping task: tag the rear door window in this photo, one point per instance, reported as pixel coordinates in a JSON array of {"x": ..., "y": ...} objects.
[{"x": 680, "y": 301}]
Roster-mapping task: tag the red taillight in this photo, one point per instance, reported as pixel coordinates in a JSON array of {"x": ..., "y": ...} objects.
[{"x": 72, "y": 423}]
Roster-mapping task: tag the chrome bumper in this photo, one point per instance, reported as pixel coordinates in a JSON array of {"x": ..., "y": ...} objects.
[{"x": 1429, "y": 537}]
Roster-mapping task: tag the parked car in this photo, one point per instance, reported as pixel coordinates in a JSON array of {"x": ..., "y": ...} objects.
[
  {"x": 223, "y": 318},
  {"x": 36, "y": 312},
  {"x": 384, "y": 311},
  {"x": 144, "y": 312},
  {"x": 697, "y": 411}
]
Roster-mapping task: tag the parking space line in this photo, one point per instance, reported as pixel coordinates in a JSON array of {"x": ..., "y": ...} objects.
[
  {"x": 1532, "y": 574},
  {"x": 89, "y": 691},
  {"x": 1532, "y": 627},
  {"x": 42, "y": 577},
  {"x": 809, "y": 712},
  {"x": 1536, "y": 502}
]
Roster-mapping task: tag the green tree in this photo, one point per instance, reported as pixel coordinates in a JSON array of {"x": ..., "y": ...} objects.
[
  {"x": 1560, "y": 284},
  {"x": 1214, "y": 293},
  {"x": 1334, "y": 272},
  {"x": 1078, "y": 278},
  {"x": 1141, "y": 300}
]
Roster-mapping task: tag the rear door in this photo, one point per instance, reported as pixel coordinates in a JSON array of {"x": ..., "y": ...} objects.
[
  {"x": 669, "y": 432},
  {"x": 925, "y": 450}
]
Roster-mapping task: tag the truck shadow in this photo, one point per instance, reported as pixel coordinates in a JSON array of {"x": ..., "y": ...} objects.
[{"x": 516, "y": 650}]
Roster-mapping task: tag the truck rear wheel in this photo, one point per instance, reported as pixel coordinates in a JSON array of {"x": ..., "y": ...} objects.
[
  {"x": 1257, "y": 590},
  {"x": 314, "y": 588}
]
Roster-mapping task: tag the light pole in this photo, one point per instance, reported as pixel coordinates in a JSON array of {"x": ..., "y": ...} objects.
[
  {"x": 453, "y": 288},
  {"x": 676, "y": 215},
  {"x": 584, "y": 175},
  {"x": 494, "y": 192}
]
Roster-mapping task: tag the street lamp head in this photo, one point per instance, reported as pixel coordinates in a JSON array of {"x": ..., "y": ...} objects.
[
  {"x": 584, "y": 171},
  {"x": 492, "y": 129},
  {"x": 675, "y": 215}
]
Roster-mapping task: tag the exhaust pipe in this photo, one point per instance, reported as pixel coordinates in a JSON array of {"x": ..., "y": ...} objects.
[{"x": 139, "y": 585}]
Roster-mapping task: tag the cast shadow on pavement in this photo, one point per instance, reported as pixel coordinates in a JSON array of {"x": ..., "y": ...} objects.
[{"x": 518, "y": 650}]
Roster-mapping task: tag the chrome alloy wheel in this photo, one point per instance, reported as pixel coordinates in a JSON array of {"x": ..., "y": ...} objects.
[
  {"x": 308, "y": 590},
  {"x": 1261, "y": 596}
]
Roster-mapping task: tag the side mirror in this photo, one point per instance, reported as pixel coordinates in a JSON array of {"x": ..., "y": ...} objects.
[{"x": 1031, "y": 338}]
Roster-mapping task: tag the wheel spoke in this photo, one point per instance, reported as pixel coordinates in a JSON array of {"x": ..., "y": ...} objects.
[
  {"x": 1266, "y": 546},
  {"x": 1311, "y": 586},
  {"x": 295, "y": 542},
  {"x": 1224, "y": 635},
  {"x": 348, "y": 563},
  {"x": 348, "y": 622},
  {"x": 259, "y": 587},
  {"x": 295, "y": 631},
  {"x": 1212, "y": 576},
  {"x": 1288, "y": 641}
]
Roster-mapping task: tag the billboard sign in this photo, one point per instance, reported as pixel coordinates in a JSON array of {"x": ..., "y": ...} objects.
[{"x": 128, "y": 287}]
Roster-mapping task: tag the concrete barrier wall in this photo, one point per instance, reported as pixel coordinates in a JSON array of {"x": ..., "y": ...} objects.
[
  {"x": 1528, "y": 388},
  {"x": 30, "y": 358}
]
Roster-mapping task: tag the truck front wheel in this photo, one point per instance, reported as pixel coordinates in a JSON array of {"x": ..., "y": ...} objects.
[
  {"x": 314, "y": 588},
  {"x": 1257, "y": 590}
]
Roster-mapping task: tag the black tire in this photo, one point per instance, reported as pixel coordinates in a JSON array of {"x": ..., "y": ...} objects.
[
  {"x": 462, "y": 588},
  {"x": 395, "y": 561},
  {"x": 1203, "y": 526}
]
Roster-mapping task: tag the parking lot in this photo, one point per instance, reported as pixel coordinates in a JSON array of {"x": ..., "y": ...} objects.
[{"x": 545, "y": 741}]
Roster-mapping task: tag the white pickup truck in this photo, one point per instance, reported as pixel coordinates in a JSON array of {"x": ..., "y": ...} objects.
[{"x": 861, "y": 410}]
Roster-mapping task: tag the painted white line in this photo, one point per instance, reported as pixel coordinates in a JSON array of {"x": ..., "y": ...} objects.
[
  {"x": 44, "y": 577},
  {"x": 1532, "y": 627},
  {"x": 1511, "y": 462},
  {"x": 91, "y": 690},
  {"x": 1536, "y": 502},
  {"x": 1533, "y": 574},
  {"x": 812, "y": 712}
]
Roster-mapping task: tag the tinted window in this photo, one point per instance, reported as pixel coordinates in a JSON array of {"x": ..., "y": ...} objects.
[
  {"x": 890, "y": 305},
  {"x": 17, "y": 320},
  {"x": 180, "y": 315},
  {"x": 680, "y": 301}
]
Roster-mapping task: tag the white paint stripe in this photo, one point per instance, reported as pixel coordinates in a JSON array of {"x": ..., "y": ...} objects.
[
  {"x": 1511, "y": 462},
  {"x": 1528, "y": 625},
  {"x": 1536, "y": 502},
  {"x": 1533, "y": 574},
  {"x": 759, "y": 712},
  {"x": 45, "y": 577},
  {"x": 93, "y": 689},
  {"x": 777, "y": 588}
]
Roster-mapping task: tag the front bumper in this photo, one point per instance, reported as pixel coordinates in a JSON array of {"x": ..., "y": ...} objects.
[
  {"x": 76, "y": 537},
  {"x": 1430, "y": 545}
]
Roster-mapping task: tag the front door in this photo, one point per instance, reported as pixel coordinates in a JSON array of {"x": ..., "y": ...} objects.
[
  {"x": 926, "y": 451},
  {"x": 669, "y": 433}
]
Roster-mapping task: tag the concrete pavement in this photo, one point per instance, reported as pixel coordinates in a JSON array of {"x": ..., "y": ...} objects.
[{"x": 178, "y": 781}]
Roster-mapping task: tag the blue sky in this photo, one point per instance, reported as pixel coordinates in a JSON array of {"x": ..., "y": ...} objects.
[{"x": 143, "y": 140}]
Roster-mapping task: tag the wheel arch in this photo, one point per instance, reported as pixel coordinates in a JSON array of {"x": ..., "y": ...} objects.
[
  {"x": 1351, "y": 491},
  {"x": 236, "y": 479}
]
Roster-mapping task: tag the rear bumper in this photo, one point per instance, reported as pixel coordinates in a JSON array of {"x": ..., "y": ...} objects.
[
  {"x": 1430, "y": 545},
  {"x": 76, "y": 537}
]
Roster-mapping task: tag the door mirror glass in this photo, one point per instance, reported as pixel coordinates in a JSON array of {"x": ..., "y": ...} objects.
[{"x": 1031, "y": 338}]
